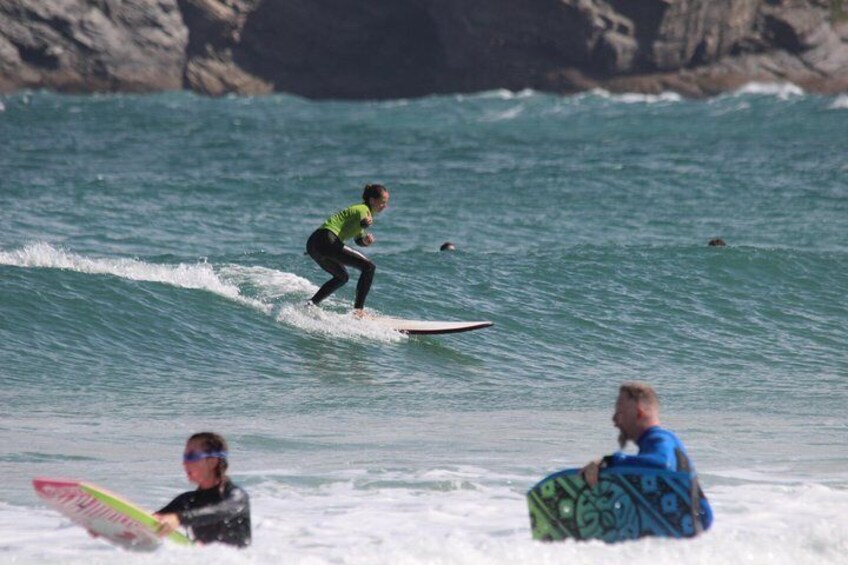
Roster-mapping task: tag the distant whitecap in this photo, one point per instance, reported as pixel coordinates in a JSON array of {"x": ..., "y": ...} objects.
[
  {"x": 633, "y": 97},
  {"x": 840, "y": 103},
  {"x": 510, "y": 114},
  {"x": 782, "y": 90}
]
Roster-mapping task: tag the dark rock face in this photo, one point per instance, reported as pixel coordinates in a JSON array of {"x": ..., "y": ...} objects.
[
  {"x": 216, "y": 29},
  {"x": 98, "y": 45},
  {"x": 379, "y": 48},
  {"x": 402, "y": 48}
]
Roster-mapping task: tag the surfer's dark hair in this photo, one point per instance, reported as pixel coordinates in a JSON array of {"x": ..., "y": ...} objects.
[
  {"x": 214, "y": 443},
  {"x": 373, "y": 191},
  {"x": 640, "y": 392}
]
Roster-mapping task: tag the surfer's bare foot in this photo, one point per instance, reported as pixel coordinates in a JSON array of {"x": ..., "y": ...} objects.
[{"x": 361, "y": 313}]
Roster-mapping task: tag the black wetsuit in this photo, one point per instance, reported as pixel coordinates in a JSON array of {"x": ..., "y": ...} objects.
[
  {"x": 213, "y": 516},
  {"x": 332, "y": 255}
]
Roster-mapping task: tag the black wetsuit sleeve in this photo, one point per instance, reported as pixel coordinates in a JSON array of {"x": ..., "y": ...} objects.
[
  {"x": 176, "y": 505},
  {"x": 233, "y": 506}
]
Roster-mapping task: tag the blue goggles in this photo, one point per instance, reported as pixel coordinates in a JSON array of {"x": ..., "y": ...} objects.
[{"x": 193, "y": 456}]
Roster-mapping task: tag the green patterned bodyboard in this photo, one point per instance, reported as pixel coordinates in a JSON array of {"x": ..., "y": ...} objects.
[{"x": 627, "y": 503}]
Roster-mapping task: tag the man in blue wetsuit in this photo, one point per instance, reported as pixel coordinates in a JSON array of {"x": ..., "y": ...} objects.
[{"x": 637, "y": 417}]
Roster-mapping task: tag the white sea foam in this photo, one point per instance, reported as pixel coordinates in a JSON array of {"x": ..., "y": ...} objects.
[
  {"x": 273, "y": 285},
  {"x": 505, "y": 115},
  {"x": 633, "y": 97},
  {"x": 350, "y": 520},
  {"x": 270, "y": 286},
  {"x": 840, "y": 103},
  {"x": 722, "y": 106},
  {"x": 499, "y": 94},
  {"x": 781, "y": 90},
  {"x": 505, "y": 94},
  {"x": 195, "y": 276},
  {"x": 270, "y": 283},
  {"x": 333, "y": 324}
]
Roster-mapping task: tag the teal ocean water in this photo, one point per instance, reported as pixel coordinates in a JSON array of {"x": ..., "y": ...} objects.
[{"x": 152, "y": 278}]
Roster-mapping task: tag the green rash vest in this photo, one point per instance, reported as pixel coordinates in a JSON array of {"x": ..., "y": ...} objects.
[{"x": 347, "y": 223}]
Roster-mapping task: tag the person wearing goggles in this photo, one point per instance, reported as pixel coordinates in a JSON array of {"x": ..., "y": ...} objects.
[{"x": 218, "y": 510}]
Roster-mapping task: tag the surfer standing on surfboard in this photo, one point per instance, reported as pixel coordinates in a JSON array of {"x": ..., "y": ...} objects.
[
  {"x": 327, "y": 246},
  {"x": 218, "y": 511}
]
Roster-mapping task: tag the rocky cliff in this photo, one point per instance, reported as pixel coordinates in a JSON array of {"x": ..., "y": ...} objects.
[{"x": 402, "y": 48}]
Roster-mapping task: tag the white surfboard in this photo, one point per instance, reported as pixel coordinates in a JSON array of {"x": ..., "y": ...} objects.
[
  {"x": 428, "y": 327},
  {"x": 104, "y": 514}
]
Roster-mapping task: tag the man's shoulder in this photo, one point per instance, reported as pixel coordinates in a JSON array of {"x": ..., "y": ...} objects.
[
  {"x": 657, "y": 434},
  {"x": 659, "y": 431}
]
